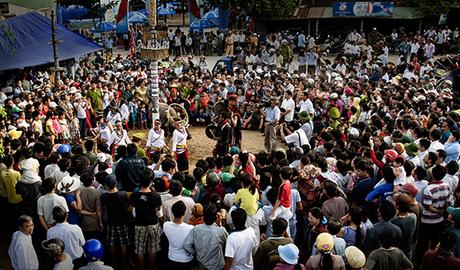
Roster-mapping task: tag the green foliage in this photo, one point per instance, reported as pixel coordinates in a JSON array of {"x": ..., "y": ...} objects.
[
  {"x": 268, "y": 8},
  {"x": 434, "y": 8}
]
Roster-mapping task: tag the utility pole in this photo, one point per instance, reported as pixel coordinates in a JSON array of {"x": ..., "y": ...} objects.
[{"x": 55, "y": 42}]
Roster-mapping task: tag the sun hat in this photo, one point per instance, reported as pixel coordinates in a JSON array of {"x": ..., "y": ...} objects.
[
  {"x": 68, "y": 184},
  {"x": 289, "y": 253},
  {"x": 101, "y": 157},
  {"x": 325, "y": 243},
  {"x": 355, "y": 257}
]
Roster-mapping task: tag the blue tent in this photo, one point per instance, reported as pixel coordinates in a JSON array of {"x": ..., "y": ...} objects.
[
  {"x": 25, "y": 41},
  {"x": 199, "y": 25},
  {"x": 104, "y": 27},
  {"x": 137, "y": 17},
  {"x": 213, "y": 16},
  {"x": 162, "y": 11}
]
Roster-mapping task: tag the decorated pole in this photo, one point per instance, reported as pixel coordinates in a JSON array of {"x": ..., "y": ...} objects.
[{"x": 154, "y": 49}]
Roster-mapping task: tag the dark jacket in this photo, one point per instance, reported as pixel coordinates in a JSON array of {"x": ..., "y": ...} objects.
[{"x": 128, "y": 171}]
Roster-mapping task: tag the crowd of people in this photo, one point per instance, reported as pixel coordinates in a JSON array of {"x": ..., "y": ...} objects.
[{"x": 366, "y": 177}]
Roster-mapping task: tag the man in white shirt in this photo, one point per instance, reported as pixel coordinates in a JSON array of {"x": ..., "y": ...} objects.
[
  {"x": 22, "y": 253},
  {"x": 289, "y": 106},
  {"x": 429, "y": 49},
  {"x": 177, "y": 231},
  {"x": 175, "y": 188},
  {"x": 298, "y": 138},
  {"x": 47, "y": 202},
  {"x": 241, "y": 244},
  {"x": 305, "y": 104},
  {"x": 71, "y": 235}
]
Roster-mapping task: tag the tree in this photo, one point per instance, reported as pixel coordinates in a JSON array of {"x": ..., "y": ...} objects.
[
  {"x": 434, "y": 8},
  {"x": 268, "y": 8}
]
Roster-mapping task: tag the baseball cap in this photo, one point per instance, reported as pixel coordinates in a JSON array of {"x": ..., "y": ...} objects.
[
  {"x": 355, "y": 257},
  {"x": 409, "y": 188},
  {"x": 391, "y": 154}
]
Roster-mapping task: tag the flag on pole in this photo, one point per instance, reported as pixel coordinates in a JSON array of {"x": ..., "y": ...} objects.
[
  {"x": 122, "y": 17},
  {"x": 194, "y": 8}
]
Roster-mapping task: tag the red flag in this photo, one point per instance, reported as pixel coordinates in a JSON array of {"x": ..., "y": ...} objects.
[
  {"x": 122, "y": 10},
  {"x": 194, "y": 8}
]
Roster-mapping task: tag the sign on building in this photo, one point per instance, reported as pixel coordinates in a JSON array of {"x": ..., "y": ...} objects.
[{"x": 362, "y": 9}]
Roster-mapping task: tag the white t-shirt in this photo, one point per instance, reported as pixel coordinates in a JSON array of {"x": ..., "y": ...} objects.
[
  {"x": 176, "y": 234},
  {"x": 46, "y": 203},
  {"x": 288, "y": 104},
  {"x": 240, "y": 246},
  {"x": 297, "y": 138}
]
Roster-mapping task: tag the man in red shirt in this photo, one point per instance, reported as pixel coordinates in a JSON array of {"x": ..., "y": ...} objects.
[{"x": 442, "y": 257}]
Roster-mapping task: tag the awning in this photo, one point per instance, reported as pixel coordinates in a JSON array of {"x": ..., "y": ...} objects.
[
  {"x": 26, "y": 41},
  {"x": 399, "y": 13}
]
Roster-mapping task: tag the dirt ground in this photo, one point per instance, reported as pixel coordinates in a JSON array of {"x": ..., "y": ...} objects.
[{"x": 201, "y": 147}]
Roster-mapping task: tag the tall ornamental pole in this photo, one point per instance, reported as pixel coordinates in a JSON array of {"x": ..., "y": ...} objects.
[{"x": 154, "y": 50}]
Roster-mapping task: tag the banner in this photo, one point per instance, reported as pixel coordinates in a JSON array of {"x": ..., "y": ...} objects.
[{"x": 362, "y": 9}]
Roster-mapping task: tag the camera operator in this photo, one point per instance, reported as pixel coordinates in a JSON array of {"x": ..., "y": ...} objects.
[{"x": 272, "y": 116}]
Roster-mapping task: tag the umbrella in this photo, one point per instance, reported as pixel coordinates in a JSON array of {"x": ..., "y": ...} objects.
[
  {"x": 103, "y": 27},
  {"x": 161, "y": 11},
  {"x": 137, "y": 17},
  {"x": 201, "y": 24}
]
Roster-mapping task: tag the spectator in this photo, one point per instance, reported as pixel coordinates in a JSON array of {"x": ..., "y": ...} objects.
[
  {"x": 91, "y": 218},
  {"x": 71, "y": 236},
  {"x": 386, "y": 212},
  {"x": 115, "y": 204},
  {"x": 129, "y": 169},
  {"x": 325, "y": 259},
  {"x": 55, "y": 248},
  {"x": 147, "y": 204},
  {"x": 207, "y": 241},
  {"x": 387, "y": 256},
  {"x": 177, "y": 231},
  {"x": 241, "y": 244},
  {"x": 175, "y": 188},
  {"x": 22, "y": 253},
  {"x": 262, "y": 258},
  {"x": 47, "y": 202}
]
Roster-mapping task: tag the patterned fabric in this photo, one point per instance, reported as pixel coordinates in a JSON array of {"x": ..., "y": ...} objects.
[
  {"x": 118, "y": 235},
  {"x": 147, "y": 239}
]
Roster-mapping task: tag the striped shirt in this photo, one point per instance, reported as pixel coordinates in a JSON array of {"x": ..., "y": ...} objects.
[{"x": 436, "y": 194}]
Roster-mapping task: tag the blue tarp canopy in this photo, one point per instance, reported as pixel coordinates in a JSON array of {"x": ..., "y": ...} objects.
[
  {"x": 104, "y": 27},
  {"x": 200, "y": 24},
  {"x": 26, "y": 41},
  {"x": 137, "y": 17},
  {"x": 162, "y": 11}
]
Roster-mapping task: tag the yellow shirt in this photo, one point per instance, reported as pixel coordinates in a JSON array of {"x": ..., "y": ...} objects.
[
  {"x": 10, "y": 178},
  {"x": 247, "y": 201}
]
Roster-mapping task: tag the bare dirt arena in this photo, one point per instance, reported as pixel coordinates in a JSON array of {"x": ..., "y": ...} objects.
[{"x": 201, "y": 147}]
